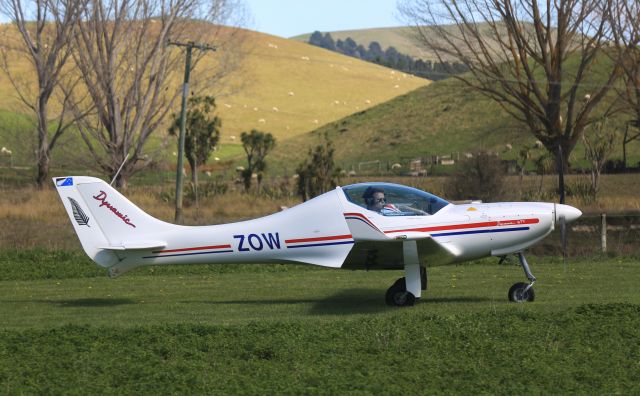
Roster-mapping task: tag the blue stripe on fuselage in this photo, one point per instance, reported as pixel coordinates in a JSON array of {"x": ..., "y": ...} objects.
[{"x": 320, "y": 244}]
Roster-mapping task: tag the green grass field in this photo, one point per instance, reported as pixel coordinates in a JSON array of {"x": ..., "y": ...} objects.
[{"x": 265, "y": 329}]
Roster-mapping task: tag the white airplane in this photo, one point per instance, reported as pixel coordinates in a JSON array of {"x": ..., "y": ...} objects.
[{"x": 366, "y": 226}]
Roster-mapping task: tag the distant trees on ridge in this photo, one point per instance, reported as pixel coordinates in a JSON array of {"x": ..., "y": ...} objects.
[{"x": 390, "y": 57}]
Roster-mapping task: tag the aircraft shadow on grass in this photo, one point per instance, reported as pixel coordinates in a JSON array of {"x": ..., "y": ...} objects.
[
  {"x": 368, "y": 301},
  {"x": 344, "y": 302},
  {"x": 88, "y": 302}
]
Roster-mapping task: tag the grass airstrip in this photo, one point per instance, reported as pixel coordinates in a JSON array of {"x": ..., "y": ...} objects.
[{"x": 288, "y": 329}]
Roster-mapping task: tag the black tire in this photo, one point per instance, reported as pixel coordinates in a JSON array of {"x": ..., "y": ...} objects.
[
  {"x": 398, "y": 296},
  {"x": 517, "y": 293}
]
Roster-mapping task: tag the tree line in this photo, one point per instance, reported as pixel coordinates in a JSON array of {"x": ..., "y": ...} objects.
[{"x": 389, "y": 57}]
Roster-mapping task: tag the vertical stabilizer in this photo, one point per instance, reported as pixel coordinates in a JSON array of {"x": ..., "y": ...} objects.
[{"x": 105, "y": 221}]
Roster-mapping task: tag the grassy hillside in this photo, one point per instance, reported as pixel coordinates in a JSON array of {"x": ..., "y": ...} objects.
[
  {"x": 439, "y": 119},
  {"x": 283, "y": 86},
  {"x": 443, "y": 118},
  {"x": 291, "y": 87}
]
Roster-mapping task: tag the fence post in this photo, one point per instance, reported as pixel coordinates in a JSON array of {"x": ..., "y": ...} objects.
[{"x": 603, "y": 232}]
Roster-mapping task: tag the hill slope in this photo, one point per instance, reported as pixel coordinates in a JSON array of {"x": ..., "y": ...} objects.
[
  {"x": 442, "y": 118},
  {"x": 286, "y": 87},
  {"x": 293, "y": 87}
]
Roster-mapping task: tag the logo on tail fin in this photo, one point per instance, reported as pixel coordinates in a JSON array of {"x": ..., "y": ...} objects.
[
  {"x": 102, "y": 198},
  {"x": 78, "y": 213}
]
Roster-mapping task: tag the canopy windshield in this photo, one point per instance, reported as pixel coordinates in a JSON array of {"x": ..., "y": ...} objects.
[{"x": 394, "y": 199}]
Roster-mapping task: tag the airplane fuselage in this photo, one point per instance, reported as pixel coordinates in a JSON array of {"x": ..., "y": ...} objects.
[{"x": 353, "y": 227}]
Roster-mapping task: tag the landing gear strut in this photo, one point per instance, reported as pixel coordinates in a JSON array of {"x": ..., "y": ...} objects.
[
  {"x": 405, "y": 291},
  {"x": 521, "y": 292}
]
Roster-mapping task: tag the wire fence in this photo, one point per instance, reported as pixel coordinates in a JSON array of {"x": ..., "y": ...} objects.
[{"x": 614, "y": 234}]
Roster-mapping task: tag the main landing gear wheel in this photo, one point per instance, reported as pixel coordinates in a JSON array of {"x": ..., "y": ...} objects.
[
  {"x": 521, "y": 292},
  {"x": 397, "y": 295}
]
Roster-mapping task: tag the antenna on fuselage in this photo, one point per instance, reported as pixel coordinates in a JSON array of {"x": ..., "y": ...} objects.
[{"x": 119, "y": 169}]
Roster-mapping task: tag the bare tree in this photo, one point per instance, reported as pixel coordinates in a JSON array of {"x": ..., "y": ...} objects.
[
  {"x": 626, "y": 35},
  {"x": 598, "y": 142},
  {"x": 517, "y": 54},
  {"x": 46, "y": 28},
  {"x": 127, "y": 67}
]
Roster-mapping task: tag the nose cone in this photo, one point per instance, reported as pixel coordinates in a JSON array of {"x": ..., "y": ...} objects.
[{"x": 568, "y": 212}]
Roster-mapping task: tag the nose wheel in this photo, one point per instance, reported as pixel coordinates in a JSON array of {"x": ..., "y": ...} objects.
[{"x": 521, "y": 292}]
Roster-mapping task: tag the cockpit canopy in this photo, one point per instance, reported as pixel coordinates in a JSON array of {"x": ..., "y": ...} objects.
[{"x": 398, "y": 200}]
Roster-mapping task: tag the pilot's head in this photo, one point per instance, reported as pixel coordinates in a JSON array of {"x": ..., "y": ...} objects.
[{"x": 374, "y": 198}]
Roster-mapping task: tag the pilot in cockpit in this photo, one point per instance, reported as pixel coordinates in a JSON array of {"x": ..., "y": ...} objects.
[{"x": 375, "y": 200}]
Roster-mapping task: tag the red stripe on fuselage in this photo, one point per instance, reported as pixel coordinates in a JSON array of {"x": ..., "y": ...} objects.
[
  {"x": 470, "y": 225},
  {"x": 327, "y": 238},
  {"x": 194, "y": 248},
  {"x": 363, "y": 217}
]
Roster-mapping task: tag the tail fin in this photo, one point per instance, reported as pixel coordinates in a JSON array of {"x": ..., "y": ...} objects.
[{"x": 105, "y": 221}]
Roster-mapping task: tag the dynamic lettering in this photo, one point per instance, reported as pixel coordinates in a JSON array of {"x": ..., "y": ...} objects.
[{"x": 102, "y": 198}]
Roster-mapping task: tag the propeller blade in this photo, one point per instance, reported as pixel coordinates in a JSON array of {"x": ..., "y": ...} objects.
[{"x": 563, "y": 237}]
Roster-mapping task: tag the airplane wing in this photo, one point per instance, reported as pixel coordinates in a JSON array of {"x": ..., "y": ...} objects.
[{"x": 388, "y": 254}]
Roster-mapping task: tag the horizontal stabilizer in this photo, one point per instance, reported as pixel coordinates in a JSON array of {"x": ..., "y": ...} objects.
[{"x": 139, "y": 245}]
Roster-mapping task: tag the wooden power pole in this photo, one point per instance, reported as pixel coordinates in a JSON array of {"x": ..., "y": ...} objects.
[{"x": 183, "y": 115}]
